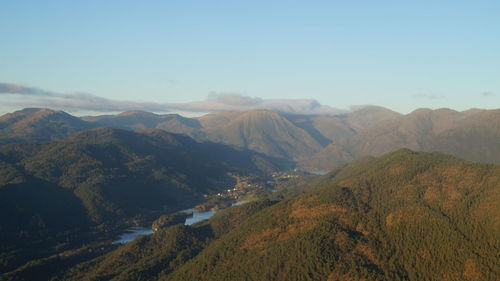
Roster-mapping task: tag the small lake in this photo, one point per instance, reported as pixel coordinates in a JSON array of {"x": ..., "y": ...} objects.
[{"x": 131, "y": 233}]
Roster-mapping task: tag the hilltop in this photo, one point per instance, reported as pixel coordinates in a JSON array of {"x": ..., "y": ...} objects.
[{"x": 38, "y": 125}]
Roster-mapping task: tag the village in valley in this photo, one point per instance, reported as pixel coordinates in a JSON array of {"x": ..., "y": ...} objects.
[{"x": 250, "y": 188}]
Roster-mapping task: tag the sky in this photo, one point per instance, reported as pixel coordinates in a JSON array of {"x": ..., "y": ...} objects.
[{"x": 398, "y": 54}]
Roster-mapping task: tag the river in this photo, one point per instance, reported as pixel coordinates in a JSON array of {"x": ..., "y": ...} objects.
[{"x": 132, "y": 232}]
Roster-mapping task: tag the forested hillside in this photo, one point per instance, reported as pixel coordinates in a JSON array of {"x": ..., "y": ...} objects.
[
  {"x": 403, "y": 216},
  {"x": 107, "y": 177}
]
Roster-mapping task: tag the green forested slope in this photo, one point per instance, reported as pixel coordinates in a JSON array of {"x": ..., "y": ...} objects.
[
  {"x": 117, "y": 173},
  {"x": 158, "y": 255},
  {"x": 404, "y": 216},
  {"x": 52, "y": 192}
]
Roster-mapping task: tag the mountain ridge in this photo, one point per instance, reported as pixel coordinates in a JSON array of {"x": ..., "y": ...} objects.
[{"x": 313, "y": 142}]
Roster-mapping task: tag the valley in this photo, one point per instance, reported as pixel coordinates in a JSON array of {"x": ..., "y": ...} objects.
[
  {"x": 249, "y": 140},
  {"x": 140, "y": 202}
]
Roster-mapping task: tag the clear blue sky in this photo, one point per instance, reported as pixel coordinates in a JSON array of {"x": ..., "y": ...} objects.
[{"x": 398, "y": 54}]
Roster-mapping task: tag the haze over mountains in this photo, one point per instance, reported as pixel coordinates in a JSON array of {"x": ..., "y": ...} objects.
[{"x": 313, "y": 142}]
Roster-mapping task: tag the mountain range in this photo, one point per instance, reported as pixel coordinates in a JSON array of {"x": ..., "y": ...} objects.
[
  {"x": 312, "y": 142},
  {"x": 383, "y": 212}
]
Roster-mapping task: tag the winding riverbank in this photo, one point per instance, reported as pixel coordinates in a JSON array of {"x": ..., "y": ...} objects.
[{"x": 195, "y": 216}]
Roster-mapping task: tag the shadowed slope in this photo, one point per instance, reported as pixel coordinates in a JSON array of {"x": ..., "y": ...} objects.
[{"x": 117, "y": 172}]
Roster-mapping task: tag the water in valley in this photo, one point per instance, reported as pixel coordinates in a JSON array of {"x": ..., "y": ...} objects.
[{"x": 131, "y": 233}]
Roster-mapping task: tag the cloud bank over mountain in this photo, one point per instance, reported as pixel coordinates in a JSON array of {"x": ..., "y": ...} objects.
[{"x": 23, "y": 96}]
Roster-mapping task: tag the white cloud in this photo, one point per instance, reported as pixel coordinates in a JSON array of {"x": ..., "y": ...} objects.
[{"x": 216, "y": 102}]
